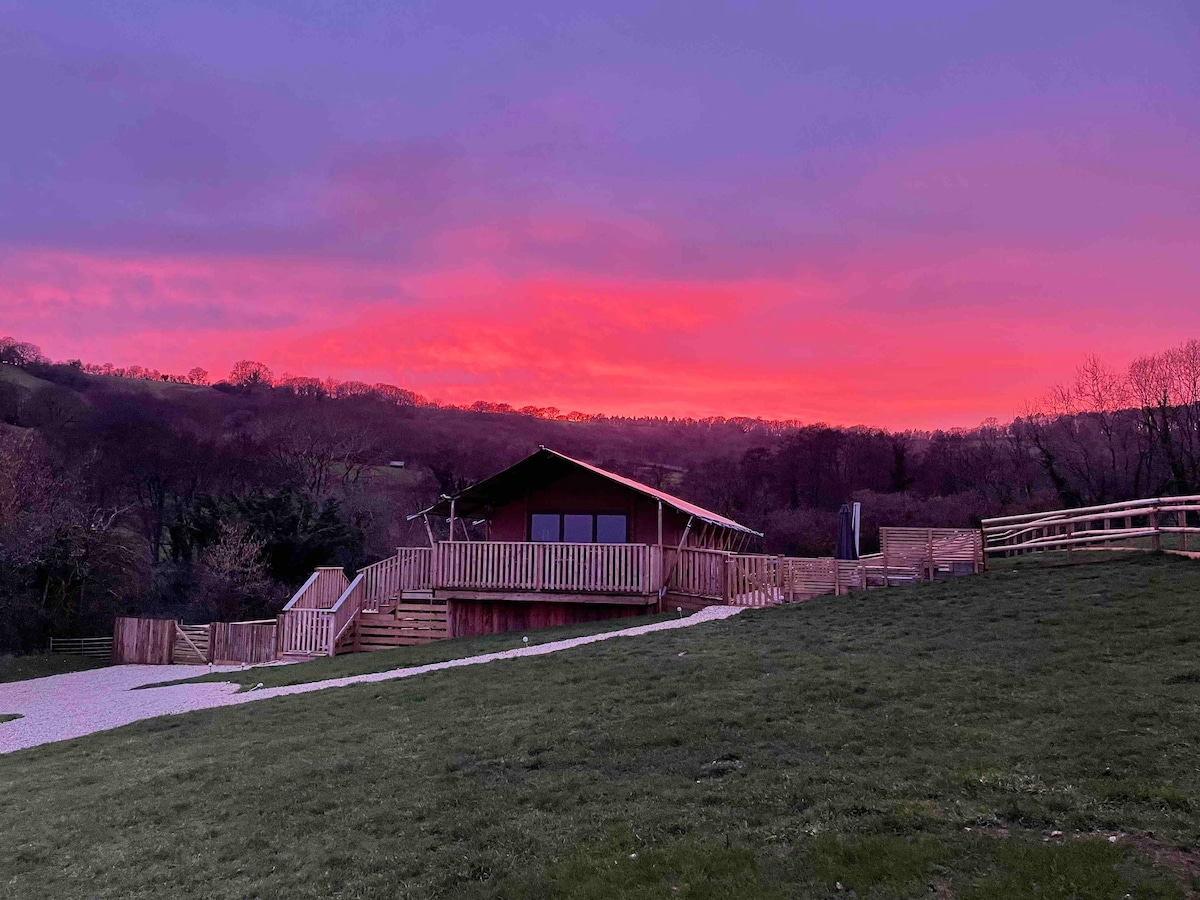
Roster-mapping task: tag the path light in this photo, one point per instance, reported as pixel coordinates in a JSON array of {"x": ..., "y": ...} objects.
[
  {"x": 679, "y": 609},
  {"x": 525, "y": 641}
]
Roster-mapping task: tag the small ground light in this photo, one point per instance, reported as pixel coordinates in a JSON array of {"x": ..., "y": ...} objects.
[
  {"x": 525, "y": 640},
  {"x": 679, "y": 609}
]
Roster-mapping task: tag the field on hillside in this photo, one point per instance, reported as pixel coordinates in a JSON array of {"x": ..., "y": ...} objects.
[
  {"x": 40, "y": 665},
  {"x": 919, "y": 742}
]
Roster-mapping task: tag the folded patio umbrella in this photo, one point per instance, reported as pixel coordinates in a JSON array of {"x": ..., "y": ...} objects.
[{"x": 845, "y": 535}]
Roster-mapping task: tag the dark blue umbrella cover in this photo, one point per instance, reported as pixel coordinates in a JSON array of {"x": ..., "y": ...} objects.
[{"x": 845, "y": 535}]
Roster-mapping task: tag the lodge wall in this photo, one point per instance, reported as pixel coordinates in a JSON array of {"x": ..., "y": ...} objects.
[
  {"x": 474, "y": 617},
  {"x": 586, "y": 492}
]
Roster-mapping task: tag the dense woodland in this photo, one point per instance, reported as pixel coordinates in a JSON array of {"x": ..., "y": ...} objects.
[{"x": 130, "y": 490}]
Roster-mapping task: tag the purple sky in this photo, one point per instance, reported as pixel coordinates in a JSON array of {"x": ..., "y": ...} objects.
[{"x": 687, "y": 208}]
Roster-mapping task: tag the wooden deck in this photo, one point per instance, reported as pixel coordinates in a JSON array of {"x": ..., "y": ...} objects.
[{"x": 507, "y": 581}]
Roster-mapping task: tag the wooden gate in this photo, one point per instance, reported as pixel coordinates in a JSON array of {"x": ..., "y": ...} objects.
[{"x": 754, "y": 580}]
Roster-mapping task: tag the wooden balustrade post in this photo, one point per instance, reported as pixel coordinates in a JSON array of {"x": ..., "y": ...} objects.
[{"x": 1156, "y": 540}]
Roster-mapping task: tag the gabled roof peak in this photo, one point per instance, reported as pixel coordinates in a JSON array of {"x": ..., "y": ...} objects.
[{"x": 497, "y": 482}]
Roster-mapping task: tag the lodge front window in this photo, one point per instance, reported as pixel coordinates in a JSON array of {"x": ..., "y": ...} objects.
[{"x": 579, "y": 528}]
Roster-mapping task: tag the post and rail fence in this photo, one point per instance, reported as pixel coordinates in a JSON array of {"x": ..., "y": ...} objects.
[{"x": 1128, "y": 525}]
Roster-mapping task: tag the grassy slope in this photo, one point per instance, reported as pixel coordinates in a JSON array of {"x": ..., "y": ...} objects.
[
  {"x": 39, "y": 665},
  {"x": 849, "y": 740},
  {"x": 402, "y": 657}
]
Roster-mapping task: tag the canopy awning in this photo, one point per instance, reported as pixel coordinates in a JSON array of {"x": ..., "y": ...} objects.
[{"x": 546, "y": 465}]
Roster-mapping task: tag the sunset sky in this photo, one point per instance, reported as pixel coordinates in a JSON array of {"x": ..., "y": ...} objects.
[{"x": 897, "y": 214}]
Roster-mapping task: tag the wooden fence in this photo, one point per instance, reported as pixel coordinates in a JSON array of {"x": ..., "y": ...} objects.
[
  {"x": 1132, "y": 524},
  {"x": 244, "y": 642},
  {"x": 145, "y": 641},
  {"x": 910, "y": 553}
]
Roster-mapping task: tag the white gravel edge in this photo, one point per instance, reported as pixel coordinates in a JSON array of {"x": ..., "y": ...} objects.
[{"x": 63, "y": 707}]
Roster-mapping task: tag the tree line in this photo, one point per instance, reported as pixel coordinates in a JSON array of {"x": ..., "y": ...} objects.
[{"x": 209, "y": 500}]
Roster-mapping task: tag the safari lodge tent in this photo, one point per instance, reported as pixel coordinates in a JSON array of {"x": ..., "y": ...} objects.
[{"x": 553, "y": 540}]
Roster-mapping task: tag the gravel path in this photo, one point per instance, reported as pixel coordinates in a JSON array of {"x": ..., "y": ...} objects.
[{"x": 62, "y": 707}]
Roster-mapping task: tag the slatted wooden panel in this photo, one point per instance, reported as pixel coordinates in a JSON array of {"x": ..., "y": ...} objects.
[
  {"x": 804, "y": 578},
  {"x": 472, "y": 617},
  {"x": 928, "y": 550},
  {"x": 245, "y": 642},
  {"x": 528, "y": 566},
  {"x": 321, "y": 590},
  {"x": 754, "y": 580},
  {"x": 191, "y": 645},
  {"x": 144, "y": 641},
  {"x": 381, "y": 582},
  {"x": 696, "y": 573},
  {"x": 405, "y": 625},
  {"x": 306, "y": 631},
  {"x": 852, "y": 575},
  {"x": 416, "y": 569}
]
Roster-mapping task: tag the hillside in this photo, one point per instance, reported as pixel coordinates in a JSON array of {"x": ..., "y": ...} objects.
[{"x": 916, "y": 742}]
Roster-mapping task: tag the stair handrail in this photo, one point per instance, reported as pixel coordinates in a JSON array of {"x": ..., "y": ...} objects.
[
  {"x": 345, "y": 611},
  {"x": 303, "y": 588}
]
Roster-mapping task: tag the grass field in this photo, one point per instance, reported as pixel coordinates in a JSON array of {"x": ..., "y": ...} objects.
[
  {"x": 915, "y": 742},
  {"x": 39, "y": 665}
]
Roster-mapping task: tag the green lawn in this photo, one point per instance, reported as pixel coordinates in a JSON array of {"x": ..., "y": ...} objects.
[
  {"x": 403, "y": 657},
  {"x": 914, "y": 742},
  {"x": 39, "y": 665}
]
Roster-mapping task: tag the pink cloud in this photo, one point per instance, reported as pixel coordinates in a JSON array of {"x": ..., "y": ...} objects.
[{"x": 924, "y": 344}]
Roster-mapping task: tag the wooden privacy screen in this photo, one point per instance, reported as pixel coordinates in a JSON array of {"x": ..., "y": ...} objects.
[
  {"x": 146, "y": 641},
  {"x": 244, "y": 642}
]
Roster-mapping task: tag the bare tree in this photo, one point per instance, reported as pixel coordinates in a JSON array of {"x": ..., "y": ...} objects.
[{"x": 248, "y": 373}]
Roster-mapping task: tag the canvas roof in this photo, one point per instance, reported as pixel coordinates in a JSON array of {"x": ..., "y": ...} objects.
[{"x": 506, "y": 485}]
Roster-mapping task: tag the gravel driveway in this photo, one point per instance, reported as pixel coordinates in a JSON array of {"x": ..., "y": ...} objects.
[{"x": 62, "y": 707}]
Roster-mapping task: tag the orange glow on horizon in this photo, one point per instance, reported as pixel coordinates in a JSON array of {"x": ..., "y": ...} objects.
[{"x": 814, "y": 349}]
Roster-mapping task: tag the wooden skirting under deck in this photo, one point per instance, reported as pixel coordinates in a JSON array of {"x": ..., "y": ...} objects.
[
  {"x": 494, "y": 615},
  {"x": 546, "y": 597}
]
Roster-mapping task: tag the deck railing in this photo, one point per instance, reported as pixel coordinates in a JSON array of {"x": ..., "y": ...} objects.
[
  {"x": 1139, "y": 524},
  {"x": 305, "y": 631},
  {"x": 526, "y": 566},
  {"x": 574, "y": 568},
  {"x": 321, "y": 590},
  {"x": 348, "y": 606},
  {"x": 696, "y": 573}
]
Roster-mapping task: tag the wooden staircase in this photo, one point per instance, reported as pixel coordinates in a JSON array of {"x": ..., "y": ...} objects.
[{"x": 375, "y": 610}]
